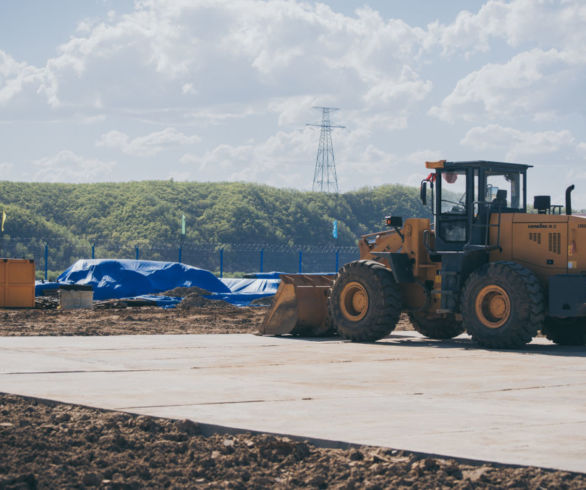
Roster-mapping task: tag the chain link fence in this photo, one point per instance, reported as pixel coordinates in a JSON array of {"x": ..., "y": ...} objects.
[{"x": 53, "y": 256}]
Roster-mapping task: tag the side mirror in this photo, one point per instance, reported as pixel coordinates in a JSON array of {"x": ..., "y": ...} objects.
[{"x": 423, "y": 192}]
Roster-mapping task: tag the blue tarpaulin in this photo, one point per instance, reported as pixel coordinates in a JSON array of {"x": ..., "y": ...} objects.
[
  {"x": 265, "y": 275},
  {"x": 251, "y": 286},
  {"x": 129, "y": 278},
  {"x": 243, "y": 291},
  {"x": 115, "y": 279}
]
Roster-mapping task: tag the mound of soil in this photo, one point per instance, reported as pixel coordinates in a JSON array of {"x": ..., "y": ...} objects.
[
  {"x": 194, "y": 300},
  {"x": 265, "y": 301},
  {"x": 181, "y": 292},
  {"x": 51, "y": 445}
]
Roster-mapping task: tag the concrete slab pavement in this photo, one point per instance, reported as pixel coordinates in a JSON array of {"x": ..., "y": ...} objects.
[{"x": 406, "y": 392}]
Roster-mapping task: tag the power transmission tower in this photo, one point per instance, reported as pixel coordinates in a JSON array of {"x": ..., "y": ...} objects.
[{"x": 324, "y": 176}]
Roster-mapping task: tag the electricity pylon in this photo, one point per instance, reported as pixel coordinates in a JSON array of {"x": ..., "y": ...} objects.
[{"x": 324, "y": 176}]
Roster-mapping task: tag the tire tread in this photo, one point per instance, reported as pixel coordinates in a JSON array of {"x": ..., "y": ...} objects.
[
  {"x": 520, "y": 279},
  {"x": 383, "y": 319}
]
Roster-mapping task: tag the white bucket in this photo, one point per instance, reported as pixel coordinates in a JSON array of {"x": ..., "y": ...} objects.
[{"x": 75, "y": 297}]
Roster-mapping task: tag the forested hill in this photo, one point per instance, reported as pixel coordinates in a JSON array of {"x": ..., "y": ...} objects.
[{"x": 232, "y": 213}]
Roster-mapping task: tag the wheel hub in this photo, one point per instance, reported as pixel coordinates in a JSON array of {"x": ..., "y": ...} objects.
[
  {"x": 354, "y": 301},
  {"x": 493, "y": 306}
]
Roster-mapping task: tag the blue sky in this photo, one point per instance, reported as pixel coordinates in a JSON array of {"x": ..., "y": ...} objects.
[{"x": 105, "y": 90}]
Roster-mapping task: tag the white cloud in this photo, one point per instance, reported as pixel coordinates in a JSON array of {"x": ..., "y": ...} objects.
[
  {"x": 14, "y": 76},
  {"x": 557, "y": 157},
  {"x": 67, "y": 166},
  {"x": 533, "y": 83},
  {"x": 414, "y": 165},
  {"x": 287, "y": 159},
  {"x": 224, "y": 52},
  {"x": 540, "y": 23},
  {"x": 144, "y": 146},
  {"x": 98, "y": 118},
  {"x": 275, "y": 161},
  {"x": 368, "y": 123},
  {"x": 296, "y": 110},
  {"x": 372, "y": 166},
  {"x": 518, "y": 144},
  {"x": 6, "y": 170},
  {"x": 244, "y": 75},
  {"x": 222, "y": 114},
  {"x": 187, "y": 88},
  {"x": 408, "y": 86},
  {"x": 541, "y": 78}
]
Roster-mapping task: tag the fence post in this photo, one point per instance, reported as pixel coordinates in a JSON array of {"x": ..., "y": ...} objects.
[
  {"x": 337, "y": 260},
  {"x": 180, "y": 250},
  {"x": 93, "y": 250},
  {"x": 46, "y": 261},
  {"x": 221, "y": 262},
  {"x": 300, "y": 261},
  {"x": 137, "y": 252},
  {"x": 262, "y": 255}
]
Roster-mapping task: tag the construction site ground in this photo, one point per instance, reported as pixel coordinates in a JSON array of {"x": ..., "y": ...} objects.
[{"x": 166, "y": 403}]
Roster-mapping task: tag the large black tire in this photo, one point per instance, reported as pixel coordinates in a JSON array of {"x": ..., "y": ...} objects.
[
  {"x": 436, "y": 327},
  {"x": 365, "y": 302},
  {"x": 502, "y": 305},
  {"x": 565, "y": 331}
]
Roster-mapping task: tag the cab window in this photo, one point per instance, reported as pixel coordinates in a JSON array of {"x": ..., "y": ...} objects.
[
  {"x": 453, "y": 192},
  {"x": 504, "y": 189}
]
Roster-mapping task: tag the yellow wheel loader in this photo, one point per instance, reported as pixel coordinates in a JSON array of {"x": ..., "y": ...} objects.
[{"x": 485, "y": 266}]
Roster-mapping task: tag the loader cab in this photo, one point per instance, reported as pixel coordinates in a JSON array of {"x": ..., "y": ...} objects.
[{"x": 467, "y": 194}]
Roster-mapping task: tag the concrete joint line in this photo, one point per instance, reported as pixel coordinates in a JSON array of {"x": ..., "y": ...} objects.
[
  {"x": 217, "y": 403},
  {"x": 88, "y": 371}
]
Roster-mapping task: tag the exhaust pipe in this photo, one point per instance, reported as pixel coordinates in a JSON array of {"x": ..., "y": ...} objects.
[{"x": 569, "y": 199}]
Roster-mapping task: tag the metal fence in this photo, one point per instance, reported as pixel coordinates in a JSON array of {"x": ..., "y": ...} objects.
[{"x": 53, "y": 256}]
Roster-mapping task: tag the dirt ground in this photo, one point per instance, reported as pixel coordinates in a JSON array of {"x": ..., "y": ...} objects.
[
  {"x": 145, "y": 320},
  {"x": 54, "y": 445},
  {"x": 196, "y": 315}
]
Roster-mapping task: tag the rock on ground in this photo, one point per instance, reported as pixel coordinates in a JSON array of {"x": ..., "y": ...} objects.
[{"x": 53, "y": 445}]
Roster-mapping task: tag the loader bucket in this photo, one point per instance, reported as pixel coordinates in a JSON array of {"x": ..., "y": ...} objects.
[{"x": 300, "y": 306}]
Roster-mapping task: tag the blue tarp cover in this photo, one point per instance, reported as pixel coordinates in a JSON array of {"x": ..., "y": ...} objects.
[
  {"x": 129, "y": 278},
  {"x": 251, "y": 286},
  {"x": 114, "y": 279},
  {"x": 266, "y": 275},
  {"x": 243, "y": 291}
]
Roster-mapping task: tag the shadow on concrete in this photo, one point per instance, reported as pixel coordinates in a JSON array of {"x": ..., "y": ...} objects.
[
  {"x": 405, "y": 340},
  {"x": 469, "y": 344},
  {"x": 331, "y": 340}
]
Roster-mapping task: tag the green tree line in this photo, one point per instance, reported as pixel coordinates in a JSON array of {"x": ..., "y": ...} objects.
[{"x": 148, "y": 213}]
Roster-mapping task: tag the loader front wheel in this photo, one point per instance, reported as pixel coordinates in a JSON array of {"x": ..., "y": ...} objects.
[
  {"x": 565, "y": 331},
  {"x": 502, "y": 305},
  {"x": 436, "y": 327},
  {"x": 365, "y": 302}
]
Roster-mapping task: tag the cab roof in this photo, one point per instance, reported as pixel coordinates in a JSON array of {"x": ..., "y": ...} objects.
[{"x": 484, "y": 164}]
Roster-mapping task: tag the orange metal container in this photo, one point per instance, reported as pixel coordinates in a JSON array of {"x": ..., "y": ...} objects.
[{"x": 17, "y": 283}]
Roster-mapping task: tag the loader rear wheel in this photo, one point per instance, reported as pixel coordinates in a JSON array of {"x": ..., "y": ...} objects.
[
  {"x": 365, "y": 302},
  {"x": 502, "y": 305},
  {"x": 565, "y": 331},
  {"x": 436, "y": 327}
]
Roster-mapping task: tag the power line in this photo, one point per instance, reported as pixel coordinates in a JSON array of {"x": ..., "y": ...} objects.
[{"x": 325, "y": 178}]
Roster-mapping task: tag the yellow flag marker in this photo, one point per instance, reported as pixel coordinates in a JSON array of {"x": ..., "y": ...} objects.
[{"x": 3, "y": 219}]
